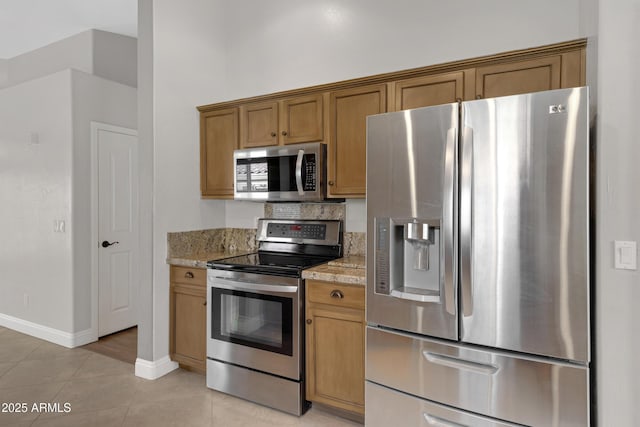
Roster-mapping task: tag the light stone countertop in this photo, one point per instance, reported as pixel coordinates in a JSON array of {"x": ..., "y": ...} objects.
[
  {"x": 349, "y": 270},
  {"x": 199, "y": 260}
]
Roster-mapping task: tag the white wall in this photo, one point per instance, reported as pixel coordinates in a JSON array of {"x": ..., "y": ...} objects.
[
  {"x": 72, "y": 52},
  {"x": 105, "y": 54},
  {"x": 285, "y": 44},
  {"x": 115, "y": 57},
  {"x": 105, "y": 101},
  {"x": 4, "y": 72},
  {"x": 188, "y": 70},
  {"x": 618, "y": 210},
  {"x": 35, "y": 189},
  {"x": 50, "y": 180}
]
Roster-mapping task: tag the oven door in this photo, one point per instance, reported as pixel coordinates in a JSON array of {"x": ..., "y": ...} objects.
[{"x": 254, "y": 321}]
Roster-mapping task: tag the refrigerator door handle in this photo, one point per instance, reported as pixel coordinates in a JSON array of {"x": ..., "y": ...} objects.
[
  {"x": 465, "y": 365},
  {"x": 448, "y": 218},
  {"x": 434, "y": 421},
  {"x": 466, "y": 222}
]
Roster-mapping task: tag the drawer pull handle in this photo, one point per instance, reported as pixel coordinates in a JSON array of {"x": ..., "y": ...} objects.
[
  {"x": 309, "y": 321},
  {"x": 440, "y": 422},
  {"x": 188, "y": 275},
  {"x": 454, "y": 362},
  {"x": 336, "y": 294}
]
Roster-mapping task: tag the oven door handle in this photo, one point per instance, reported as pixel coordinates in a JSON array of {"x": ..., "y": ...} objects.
[
  {"x": 299, "y": 172},
  {"x": 234, "y": 285}
]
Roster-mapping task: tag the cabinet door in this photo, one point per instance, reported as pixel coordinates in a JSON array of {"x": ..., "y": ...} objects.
[
  {"x": 335, "y": 357},
  {"x": 433, "y": 90},
  {"x": 518, "y": 77},
  {"x": 259, "y": 124},
  {"x": 346, "y": 161},
  {"x": 301, "y": 119},
  {"x": 188, "y": 317},
  {"x": 218, "y": 139}
]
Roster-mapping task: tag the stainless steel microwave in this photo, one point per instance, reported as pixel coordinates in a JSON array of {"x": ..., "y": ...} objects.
[{"x": 294, "y": 172}]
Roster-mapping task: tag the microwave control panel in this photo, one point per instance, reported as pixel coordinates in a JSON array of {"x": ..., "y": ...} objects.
[{"x": 309, "y": 166}]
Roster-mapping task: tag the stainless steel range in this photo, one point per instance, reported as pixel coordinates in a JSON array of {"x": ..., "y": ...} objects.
[{"x": 255, "y": 333}]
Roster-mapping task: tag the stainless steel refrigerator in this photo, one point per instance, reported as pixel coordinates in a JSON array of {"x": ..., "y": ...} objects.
[{"x": 478, "y": 263}]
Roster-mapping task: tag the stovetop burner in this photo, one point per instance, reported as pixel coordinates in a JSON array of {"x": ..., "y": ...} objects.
[
  {"x": 286, "y": 247},
  {"x": 270, "y": 263}
]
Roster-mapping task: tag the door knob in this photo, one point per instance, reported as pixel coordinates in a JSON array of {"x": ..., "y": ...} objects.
[{"x": 106, "y": 244}]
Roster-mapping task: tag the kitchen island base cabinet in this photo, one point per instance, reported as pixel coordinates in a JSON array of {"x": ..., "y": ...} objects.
[
  {"x": 335, "y": 327},
  {"x": 188, "y": 317}
]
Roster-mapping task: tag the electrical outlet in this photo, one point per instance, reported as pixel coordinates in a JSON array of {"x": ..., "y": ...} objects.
[{"x": 58, "y": 226}]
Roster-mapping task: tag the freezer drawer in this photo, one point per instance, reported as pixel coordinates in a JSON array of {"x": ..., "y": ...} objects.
[
  {"x": 386, "y": 407},
  {"x": 525, "y": 390}
]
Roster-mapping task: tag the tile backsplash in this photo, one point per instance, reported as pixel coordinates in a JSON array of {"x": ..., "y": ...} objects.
[
  {"x": 185, "y": 243},
  {"x": 305, "y": 210}
]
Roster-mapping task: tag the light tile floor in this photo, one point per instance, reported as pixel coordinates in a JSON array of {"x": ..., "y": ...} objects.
[{"x": 105, "y": 392}]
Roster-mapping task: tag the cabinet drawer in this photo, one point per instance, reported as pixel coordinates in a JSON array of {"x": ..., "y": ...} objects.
[
  {"x": 189, "y": 275},
  {"x": 335, "y": 294},
  {"x": 521, "y": 389}
]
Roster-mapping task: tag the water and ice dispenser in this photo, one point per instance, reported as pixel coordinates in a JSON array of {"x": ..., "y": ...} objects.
[{"x": 408, "y": 258}]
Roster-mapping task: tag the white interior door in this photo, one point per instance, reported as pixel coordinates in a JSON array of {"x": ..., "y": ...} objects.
[{"x": 117, "y": 228}]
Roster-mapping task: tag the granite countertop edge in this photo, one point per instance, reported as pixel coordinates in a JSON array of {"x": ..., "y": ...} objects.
[
  {"x": 348, "y": 270},
  {"x": 199, "y": 260}
]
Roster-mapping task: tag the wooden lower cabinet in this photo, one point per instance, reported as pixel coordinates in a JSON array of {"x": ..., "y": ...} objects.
[
  {"x": 188, "y": 317},
  {"x": 335, "y": 334}
]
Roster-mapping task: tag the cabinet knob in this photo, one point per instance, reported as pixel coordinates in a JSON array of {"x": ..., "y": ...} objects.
[
  {"x": 273, "y": 134},
  {"x": 204, "y": 303},
  {"x": 458, "y": 99},
  {"x": 188, "y": 275},
  {"x": 336, "y": 294},
  {"x": 478, "y": 96},
  {"x": 330, "y": 183},
  {"x": 309, "y": 321},
  {"x": 284, "y": 133}
]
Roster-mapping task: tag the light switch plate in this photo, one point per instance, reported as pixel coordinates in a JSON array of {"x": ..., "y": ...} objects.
[{"x": 625, "y": 255}]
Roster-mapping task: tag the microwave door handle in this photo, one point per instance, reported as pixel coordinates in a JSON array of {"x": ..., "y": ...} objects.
[{"x": 299, "y": 172}]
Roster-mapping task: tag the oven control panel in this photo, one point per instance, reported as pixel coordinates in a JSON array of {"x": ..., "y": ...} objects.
[{"x": 297, "y": 231}]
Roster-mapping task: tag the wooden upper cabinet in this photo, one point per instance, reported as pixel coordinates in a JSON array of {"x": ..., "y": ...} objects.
[
  {"x": 336, "y": 113},
  {"x": 259, "y": 124},
  {"x": 346, "y": 163},
  {"x": 433, "y": 90},
  {"x": 302, "y": 119},
  {"x": 218, "y": 139},
  {"x": 513, "y": 78},
  {"x": 289, "y": 121}
]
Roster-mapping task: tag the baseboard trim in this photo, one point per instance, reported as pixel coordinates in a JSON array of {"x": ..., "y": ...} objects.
[
  {"x": 152, "y": 370},
  {"x": 56, "y": 336}
]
